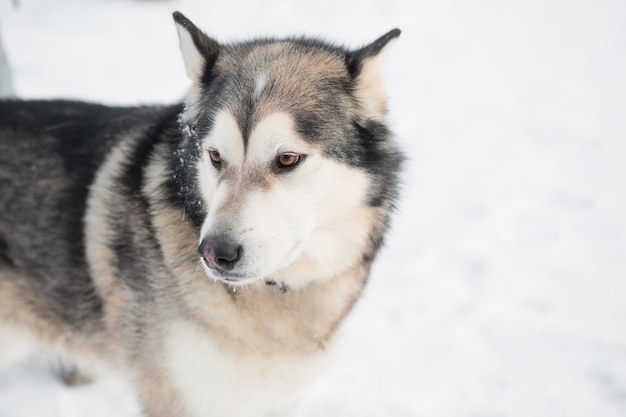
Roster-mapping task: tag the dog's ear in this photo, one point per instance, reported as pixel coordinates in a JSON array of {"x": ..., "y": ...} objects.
[
  {"x": 366, "y": 66},
  {"x": 199, "y": 51}
]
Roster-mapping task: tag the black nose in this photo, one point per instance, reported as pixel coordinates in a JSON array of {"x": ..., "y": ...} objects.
[{"x": 220, "y": 252}]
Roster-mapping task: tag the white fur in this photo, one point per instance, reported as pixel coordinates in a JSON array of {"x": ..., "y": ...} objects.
[
  {"x": 226, "y": 138},
  {"x": 15, "y": 344},
  {"x": 98, "y": 217},
  {"x": 259, "y": 86},
  {"x": 216, "y": 382},
  {"x": 339, "y": 232},
  {"x": 371, "y": 91},
  {"x": 194, "y": 61},
  {"x": 192, "y": 100}
]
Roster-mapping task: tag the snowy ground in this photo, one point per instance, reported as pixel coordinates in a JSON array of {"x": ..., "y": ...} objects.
[{"x": 502, "y": 289}]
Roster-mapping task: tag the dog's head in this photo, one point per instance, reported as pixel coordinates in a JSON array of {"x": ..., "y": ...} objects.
[{"x": 286, "y": 162}]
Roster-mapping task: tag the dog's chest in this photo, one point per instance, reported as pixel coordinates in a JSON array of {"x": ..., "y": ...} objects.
[{"x": 213, "y": 381}]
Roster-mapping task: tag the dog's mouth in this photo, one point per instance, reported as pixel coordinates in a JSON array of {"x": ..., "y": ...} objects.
[
  {"x": 227, "y": 277},
  {"x": 234, "y": 281}
]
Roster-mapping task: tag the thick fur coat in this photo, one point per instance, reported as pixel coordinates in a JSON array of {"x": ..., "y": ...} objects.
[{"x": 208, "y": 251}]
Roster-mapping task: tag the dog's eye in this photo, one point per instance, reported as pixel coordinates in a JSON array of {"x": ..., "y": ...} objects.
[
  {"x": 215, "y": 156},
  {"x": 287, "y": 160}
]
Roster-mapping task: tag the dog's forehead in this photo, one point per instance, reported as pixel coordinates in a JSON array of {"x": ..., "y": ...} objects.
[
  {"x": 304, "y": 82},
  {"x": 285, "y": 60}
]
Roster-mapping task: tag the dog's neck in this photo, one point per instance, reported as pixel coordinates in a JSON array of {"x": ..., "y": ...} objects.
[{"x": 266, "y": 318}]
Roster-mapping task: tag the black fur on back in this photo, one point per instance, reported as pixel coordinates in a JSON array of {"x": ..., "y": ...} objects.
[{"x": 50, "y": 152}]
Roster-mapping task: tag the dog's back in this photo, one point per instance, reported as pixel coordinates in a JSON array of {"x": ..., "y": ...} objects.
[{"x": 50, "y": 152}]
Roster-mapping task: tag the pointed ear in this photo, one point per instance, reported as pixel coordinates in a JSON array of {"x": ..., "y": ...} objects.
[
  {"x": 366, "y": 66},
  {"x": 199, "y": 51}
]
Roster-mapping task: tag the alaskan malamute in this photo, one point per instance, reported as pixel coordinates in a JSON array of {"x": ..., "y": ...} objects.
[{"x": 208, "y": 250}]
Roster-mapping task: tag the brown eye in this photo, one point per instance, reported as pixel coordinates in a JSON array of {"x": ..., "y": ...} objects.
[
  {"x": 215, "y": 156},
  {"x": 287, "y": 160}
]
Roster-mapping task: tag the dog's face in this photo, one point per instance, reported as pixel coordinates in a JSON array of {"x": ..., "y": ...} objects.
[
  {"x": 292, "y": 163},
  {"x": 274, "y": 198}
]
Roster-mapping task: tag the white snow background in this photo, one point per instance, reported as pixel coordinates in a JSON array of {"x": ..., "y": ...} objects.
[{"x": 502, "y": 287}]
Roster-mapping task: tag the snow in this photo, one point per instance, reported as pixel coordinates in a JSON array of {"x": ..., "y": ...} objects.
[{"x": 502, "y": 287}]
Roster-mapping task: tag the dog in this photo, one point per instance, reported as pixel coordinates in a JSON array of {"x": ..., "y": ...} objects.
[{"x": 208, "y": 250}]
